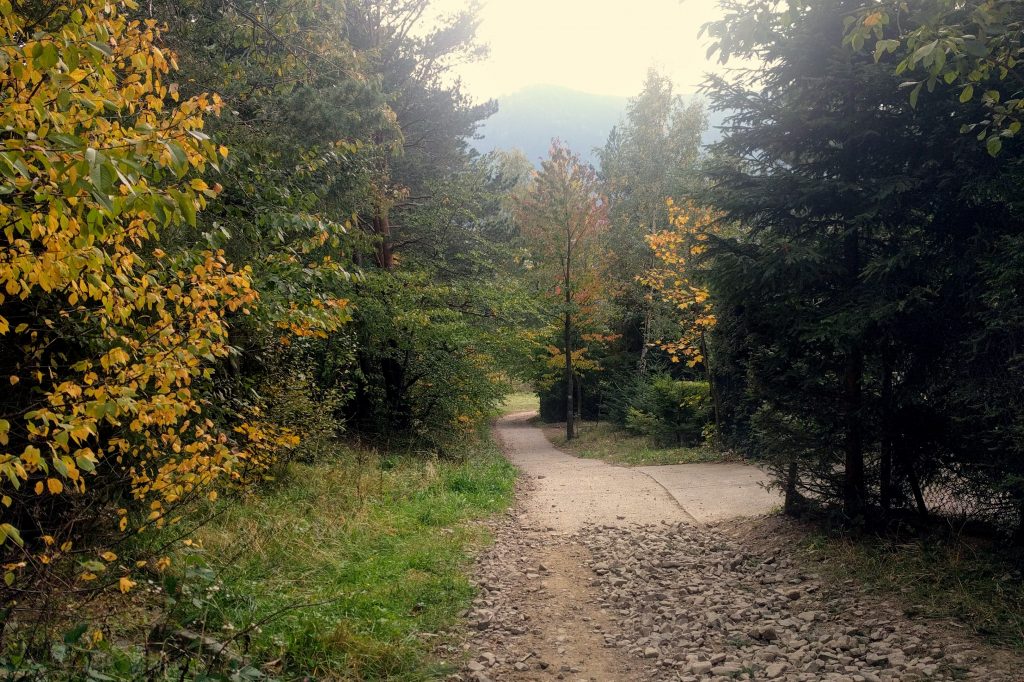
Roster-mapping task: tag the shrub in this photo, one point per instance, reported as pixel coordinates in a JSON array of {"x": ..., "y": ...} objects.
[{"x": 671, "y": 411}]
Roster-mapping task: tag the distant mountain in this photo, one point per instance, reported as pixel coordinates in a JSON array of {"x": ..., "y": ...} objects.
[{"x": 528, "y": 119}]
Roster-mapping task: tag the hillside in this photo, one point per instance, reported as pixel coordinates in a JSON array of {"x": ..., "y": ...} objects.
[{"x": 529, "y": 118}]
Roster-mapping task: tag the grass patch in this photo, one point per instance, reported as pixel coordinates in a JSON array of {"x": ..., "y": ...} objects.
[
  {"x": 520, "y": 402},
  {"x": 947, "y": 578},
  {"x": 345, "y": 564},
  {"x": 612, "y": 444}
]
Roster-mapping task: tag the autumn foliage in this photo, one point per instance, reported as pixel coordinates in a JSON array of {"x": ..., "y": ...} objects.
[
  {"x": 675, "y": 278},
  {"x": 104, "y": 336}
]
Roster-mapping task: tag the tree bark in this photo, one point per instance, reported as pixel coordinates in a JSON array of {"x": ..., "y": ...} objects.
[
  {"x": 793, "y": 501},
  {"x": 853, "y": 379},
  {"x": 888, "y": 435},
  {"x": 715, "y": 402},
  {"x": 385, "y": 249},
  {"x": 570, "y": 419}
]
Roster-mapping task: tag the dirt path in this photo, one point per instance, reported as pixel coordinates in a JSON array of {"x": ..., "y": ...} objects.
[
  {"x": 570, "y": 492},
  {"x": 599, "y": 573}
]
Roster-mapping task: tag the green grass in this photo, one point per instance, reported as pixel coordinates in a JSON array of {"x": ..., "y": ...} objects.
[
  {"x": 611, "y": 444},
  {"x": 946, "y": 578},
  {"x": 356, "y": 558},
  {"x": 520, "y": 402}
]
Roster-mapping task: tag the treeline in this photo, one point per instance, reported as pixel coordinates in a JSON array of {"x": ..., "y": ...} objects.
[
  {"x": 842, "y": 269},
  {"x": 233, "y": 232}
]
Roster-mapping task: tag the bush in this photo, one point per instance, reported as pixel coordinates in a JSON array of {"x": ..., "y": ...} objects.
[{"x": 672, "y": 412}]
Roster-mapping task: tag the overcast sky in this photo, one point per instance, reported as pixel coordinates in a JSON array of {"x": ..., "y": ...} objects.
[{"x": 598, "y": 46}]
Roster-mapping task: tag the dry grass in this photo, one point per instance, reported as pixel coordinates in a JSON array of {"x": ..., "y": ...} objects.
[
  {"x": 520, "y": 402},
  {"x": 611, "y": 444}
]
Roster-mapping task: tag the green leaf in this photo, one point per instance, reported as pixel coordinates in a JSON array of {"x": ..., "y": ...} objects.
[
  {"x": 967, "y": 94},
  {"x": 11, "y": 532},
  {"x": 180, "y": 159},
  {"x": 48, "y": 57},
  {"x": 924, "y": 51},
  {"x": 994, "y": 145},
  {"x": 914, "y": 95},
  {"x": 187, "y": 206},
  {"x": 74, "y": 634}
]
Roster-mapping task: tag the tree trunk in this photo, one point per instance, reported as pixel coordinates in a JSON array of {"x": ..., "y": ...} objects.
[
  {"x": 915, "y": 488},
  {"x": 578, "y": 382},
  {"x": 793, "y": 502},
  {"x": 570, "y": 421},
  {"x": 888, "y": 435},
  {"x": 385, "y": 249},
  {"x": 646, "y": 340},
  {"x": 649, "y": 313},
  {"x": 853, "y": 379},
  {"x": 715, "y": 402}
]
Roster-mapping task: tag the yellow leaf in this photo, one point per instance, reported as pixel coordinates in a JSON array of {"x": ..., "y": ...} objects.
[
  {"x": 55, "y": 487},
  {"x": 39, "y": 487},
  {"x": 108, "y": 556},
  {"x": 125, "y": 584},
  {"x": 14, "y": 380}
]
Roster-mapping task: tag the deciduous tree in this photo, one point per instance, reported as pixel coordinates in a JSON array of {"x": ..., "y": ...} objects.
[{"x": 562, "y": 215}]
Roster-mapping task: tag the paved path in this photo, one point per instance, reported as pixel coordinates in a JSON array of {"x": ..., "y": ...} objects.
[
  {"x": 716, "y": 492},
  {"x": 570, "y": 492}
]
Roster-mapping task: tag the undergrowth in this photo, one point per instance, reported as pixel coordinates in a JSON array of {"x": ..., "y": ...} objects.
[
  {"x": 966, "y": 580},
  {"x": 607, "y": 442},
  {"x": 350, "y": 568}
]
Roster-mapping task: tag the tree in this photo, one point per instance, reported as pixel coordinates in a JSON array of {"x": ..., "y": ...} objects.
[
  {"x": 107, "y": 339},
  {"x": 562, "y": 216},
  {"x": 976, "y": 48},
  {"x": 678, "y": 279},
  {"x": 412, "y": 56},
  {"x": 651, "y": 156},
  {"x": 845, "y": 308}
]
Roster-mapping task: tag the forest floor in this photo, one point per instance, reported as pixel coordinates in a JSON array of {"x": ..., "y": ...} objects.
[{"x": 600, "y": 573}]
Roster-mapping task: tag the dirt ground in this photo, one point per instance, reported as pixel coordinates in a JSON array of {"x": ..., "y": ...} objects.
[{"x": 601, "y": 573}]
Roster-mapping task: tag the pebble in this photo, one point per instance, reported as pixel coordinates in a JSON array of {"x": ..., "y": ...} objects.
[{"x": 688, "y": 602}]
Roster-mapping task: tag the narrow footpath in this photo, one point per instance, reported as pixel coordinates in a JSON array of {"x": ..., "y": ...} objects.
[{"x": 607, "y": 573}]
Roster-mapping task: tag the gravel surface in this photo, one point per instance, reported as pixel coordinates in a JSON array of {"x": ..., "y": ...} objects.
[{"x": 633, "y": 599}]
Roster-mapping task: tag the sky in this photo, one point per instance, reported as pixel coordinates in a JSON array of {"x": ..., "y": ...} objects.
[{"x": 597, "y": 46}]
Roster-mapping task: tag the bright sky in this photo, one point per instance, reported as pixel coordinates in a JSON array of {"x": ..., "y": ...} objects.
[{"x": 598, "y": 46}]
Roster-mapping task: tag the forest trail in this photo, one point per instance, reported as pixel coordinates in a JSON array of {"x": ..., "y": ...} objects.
[{"x": 600, "y": 573}]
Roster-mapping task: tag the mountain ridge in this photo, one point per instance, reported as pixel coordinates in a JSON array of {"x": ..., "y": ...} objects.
[{"x": 531, "y": 117}]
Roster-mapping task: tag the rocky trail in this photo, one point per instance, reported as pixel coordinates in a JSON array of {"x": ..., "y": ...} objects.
[{"x": 601, "y": 573}]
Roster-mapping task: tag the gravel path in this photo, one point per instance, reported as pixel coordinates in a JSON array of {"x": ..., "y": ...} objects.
[{"x": 599, "y": 574}]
